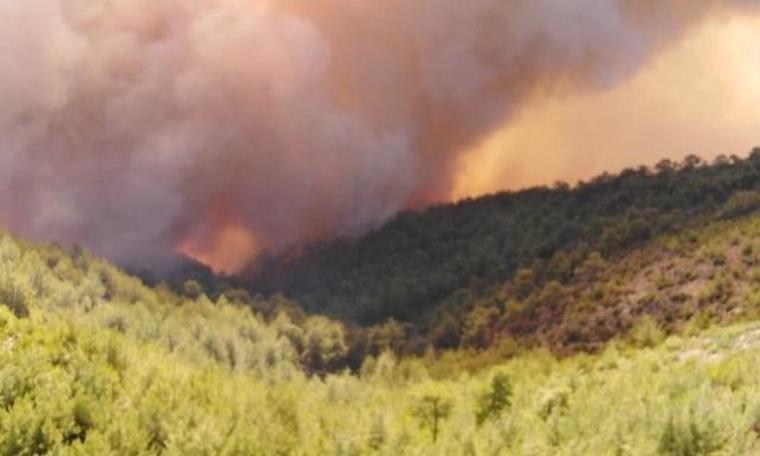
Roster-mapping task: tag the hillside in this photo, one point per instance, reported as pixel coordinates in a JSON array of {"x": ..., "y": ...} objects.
[
  {"x": 448, "y": 255},
  {"x": 660, "y": 313},
  {"x": 93, "y": 362},
  {"x": 234, "y": 228},
  {"x": 681, "y": 282}
]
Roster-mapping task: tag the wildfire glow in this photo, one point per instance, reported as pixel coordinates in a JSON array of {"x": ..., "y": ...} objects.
[
  {"x": 701, "y": 97},
  {"x": 227, "y": 251}
]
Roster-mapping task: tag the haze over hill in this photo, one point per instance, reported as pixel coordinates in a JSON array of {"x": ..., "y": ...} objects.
[
  {"x": 223, "y": 127},
  {"x": 450, "y": 255},
  {"x": 634, "y": 294},
  {"x": 668, "y": 110}
]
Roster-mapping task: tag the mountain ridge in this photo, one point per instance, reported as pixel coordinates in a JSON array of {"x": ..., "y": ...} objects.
[{"x": 421, "y": 260}]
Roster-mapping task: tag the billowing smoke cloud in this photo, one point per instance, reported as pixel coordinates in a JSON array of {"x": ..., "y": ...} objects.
[
  {"x": 700, "y": 96},
  {"x": 136, "y": 127}
]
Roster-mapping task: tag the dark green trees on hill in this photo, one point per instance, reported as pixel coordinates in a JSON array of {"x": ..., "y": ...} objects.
[{"x": 447, "y": 256}]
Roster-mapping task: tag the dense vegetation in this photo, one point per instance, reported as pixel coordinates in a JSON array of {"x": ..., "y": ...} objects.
[
  {"x": 73, "y": 383},
  {"x": 681, "y": 282},
  {"x": 47, "y": 282},
  {"x": 634, "y": 334},
  {"x": 449, "y": 255}
]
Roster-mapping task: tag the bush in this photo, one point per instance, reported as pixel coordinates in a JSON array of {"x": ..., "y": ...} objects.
[
  {"x": 647, "y": 333},
  {"x": 693, "y": 436},
  {"x": 192, "y": 289},
  {"x": 740, "y": 203},
  {"x": 496, "y": 399},
  {"x": 431, "y": 408},
  {"x": 14, "y": 298}
]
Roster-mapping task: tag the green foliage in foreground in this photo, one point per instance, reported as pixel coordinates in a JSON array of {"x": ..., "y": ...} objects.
[
  {"x": 66, "y": 388},
  {"x": 226, "y": 330},
  {"x": 94, "y": 362}
]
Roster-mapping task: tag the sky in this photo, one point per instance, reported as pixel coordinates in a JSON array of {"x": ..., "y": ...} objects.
[{"x": 700, "y": 96}]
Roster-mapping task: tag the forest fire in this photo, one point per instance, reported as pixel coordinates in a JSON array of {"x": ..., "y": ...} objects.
[
  {"x": 668, "y": 110},
  {"x": 227, "y": 251},
  {"x": 123, "y": 121}
]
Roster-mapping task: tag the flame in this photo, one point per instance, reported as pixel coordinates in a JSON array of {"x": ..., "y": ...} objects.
[
  {"x": 228, "y": 250},
  {"x": 700, "y": 97}
]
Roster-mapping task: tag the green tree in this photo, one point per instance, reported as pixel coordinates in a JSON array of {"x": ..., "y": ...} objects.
[
  {"x": 192, "y": 289},
  {"x": 690, "y": 436},
  {"x": 741, "y": 203},
  {"x": 496, "y": 399},
  {"x": 13, "y": 296},
  {"x": 325, "y": 345},
  {"x": 480, "y": 327},
  {"x": 524, "y": 283},
  {"x": 389, "y": 336},
  {"x": 431, "y": 409},
  {"x": 377, "y": 432}
]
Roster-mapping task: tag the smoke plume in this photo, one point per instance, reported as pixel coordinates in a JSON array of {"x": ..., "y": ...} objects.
[
  {"x": 224, "y": 127},
  {"x": 700, "y": 96}
]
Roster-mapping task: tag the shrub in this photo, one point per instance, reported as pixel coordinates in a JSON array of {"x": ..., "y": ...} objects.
[
  {"x": 740, "y": 203},
  {"x": 192, "y": 289},
  {"x": 647, "y": 333},
  {"x": 693, "y": 436},
  {"x": 480, "y": 327},
  {"x": 15, "y": 299},
  {"x": 496, "y": 399},
  {"x": 431, "y": 408}
]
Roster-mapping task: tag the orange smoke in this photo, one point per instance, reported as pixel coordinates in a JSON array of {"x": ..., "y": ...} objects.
[
  {"x": 220, "y": 239},
  {"x": 700, "y": 97},
  {"x": 226, "y": 251}
]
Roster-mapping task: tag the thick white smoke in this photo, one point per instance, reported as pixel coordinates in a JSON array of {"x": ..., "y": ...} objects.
[{"x": 129, "y": 126}]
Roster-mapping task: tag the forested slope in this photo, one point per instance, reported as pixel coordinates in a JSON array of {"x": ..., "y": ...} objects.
[
  {"x": 93, "y": 361},
  {"x": 71, "y": 386},
  {"x": 636, "y": 303},
  {"x": 446, "y": 256},
  {"x": 678, "y": 283}
]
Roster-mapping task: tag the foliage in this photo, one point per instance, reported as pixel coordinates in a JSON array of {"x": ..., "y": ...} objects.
[
  {"x": 496, "y": 399},
  {"x": 104, "y": 365},
  {"x": 67, "y": 389},
  {"x": 450, "y": 255},
  {"x": 741, "y": 203},
  {"x": 431, "y": 408},
  {"x": 691, "y": 436},
  {"x": 626, "y": 346}
]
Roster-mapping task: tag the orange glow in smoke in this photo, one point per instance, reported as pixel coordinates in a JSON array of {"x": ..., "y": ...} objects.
[
  {"x": 228, "y": 251},
  {"x": 700, "y": 97}
]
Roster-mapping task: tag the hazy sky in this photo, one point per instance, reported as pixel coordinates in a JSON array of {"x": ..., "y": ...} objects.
[{"x": 700, "y": 96}]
